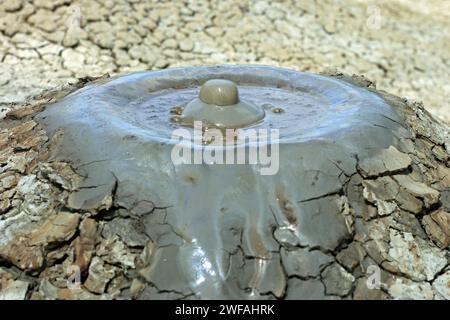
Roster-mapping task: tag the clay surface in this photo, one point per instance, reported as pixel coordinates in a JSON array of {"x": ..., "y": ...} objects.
[
  {"x": 214, "y": 237},
  {"x": 319, "y": 230}
]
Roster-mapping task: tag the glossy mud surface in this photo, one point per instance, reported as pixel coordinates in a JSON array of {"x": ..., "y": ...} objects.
[{"x": 217, "y": 230}]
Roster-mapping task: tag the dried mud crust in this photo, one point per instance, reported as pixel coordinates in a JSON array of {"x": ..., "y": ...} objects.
[
  {"x": 400, "y": 44},
  {"x": 396, "y": 205}
]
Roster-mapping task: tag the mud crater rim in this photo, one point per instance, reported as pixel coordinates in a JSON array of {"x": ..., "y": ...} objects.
[{"x": 140, "y": 104}]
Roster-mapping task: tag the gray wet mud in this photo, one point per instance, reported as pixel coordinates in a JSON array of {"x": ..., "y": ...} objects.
[{"x": 226, "y": 231}]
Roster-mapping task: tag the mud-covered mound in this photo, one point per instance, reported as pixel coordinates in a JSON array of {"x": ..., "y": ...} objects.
[
  {"x": 225, "y": 224},
  {"x": 370, "y": 199}
]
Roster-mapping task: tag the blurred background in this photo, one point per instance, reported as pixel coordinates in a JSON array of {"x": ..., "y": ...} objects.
[{"x": 403, "y": 45}]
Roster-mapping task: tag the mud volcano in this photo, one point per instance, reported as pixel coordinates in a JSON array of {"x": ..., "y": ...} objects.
[{"x": 345, "y": 189}]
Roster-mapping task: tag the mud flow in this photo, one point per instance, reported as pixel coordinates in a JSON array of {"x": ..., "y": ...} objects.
[{"x": 226, "y": 230}]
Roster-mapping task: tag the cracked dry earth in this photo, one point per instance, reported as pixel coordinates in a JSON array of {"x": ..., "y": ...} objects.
[
  {"x": 401, "y": 44},
  {"x": 396, "y": 207}
]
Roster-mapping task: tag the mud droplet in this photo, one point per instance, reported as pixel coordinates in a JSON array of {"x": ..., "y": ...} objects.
[
  {"x": 175, "y": 119},
  {"x": 176, "y": 110},
  {"x": 277, "y": 110}
]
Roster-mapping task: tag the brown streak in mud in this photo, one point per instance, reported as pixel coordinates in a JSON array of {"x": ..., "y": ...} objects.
[
  {"x": 285, "y": 206},
  {"x": 257, "y": 244},
  {"x": 189, "y": 178}
]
